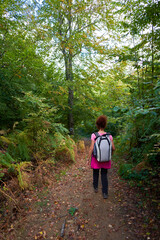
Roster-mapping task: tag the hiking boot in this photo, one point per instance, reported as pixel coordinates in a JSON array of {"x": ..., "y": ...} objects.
[
  {"x": 105, "y": 195},
  {"x": 95, "y": 190}
]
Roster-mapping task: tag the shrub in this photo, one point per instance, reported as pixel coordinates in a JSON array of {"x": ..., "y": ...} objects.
[{"x": 125, "y": 170}]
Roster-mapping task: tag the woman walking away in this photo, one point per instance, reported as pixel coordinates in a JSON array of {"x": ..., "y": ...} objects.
[{"x": 101, "y": 123}]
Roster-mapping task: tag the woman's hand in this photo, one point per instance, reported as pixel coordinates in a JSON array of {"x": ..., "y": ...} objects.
[{"x": 87, "y": 161}]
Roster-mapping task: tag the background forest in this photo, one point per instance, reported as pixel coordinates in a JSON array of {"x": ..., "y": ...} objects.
[{"x": 65, "y": 62}]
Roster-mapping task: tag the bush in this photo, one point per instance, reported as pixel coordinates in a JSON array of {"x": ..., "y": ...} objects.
[{"x": 125, "y": 170}]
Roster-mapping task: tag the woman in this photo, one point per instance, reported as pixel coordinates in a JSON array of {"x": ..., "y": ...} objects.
[{"x": 101, "y": 123}]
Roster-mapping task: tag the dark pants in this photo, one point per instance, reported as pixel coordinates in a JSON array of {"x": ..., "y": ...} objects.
[{"x": 104, "y": 179}]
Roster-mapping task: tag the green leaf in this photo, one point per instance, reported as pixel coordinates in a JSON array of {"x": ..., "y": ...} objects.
[{"x": 72, "y": 210}]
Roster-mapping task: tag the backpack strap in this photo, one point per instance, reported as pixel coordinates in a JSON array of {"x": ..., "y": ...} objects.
[
  {"x": 106, "y": 134},
  {"x": 97, "y": 135}
]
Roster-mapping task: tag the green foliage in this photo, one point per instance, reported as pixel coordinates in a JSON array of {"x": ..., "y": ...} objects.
[
  {"x": 72, "y": 36},
  {"x": 39, "y": 127},
  {"x": 136, "y": 140},
  {"x": 72, "y": 210},
  {"x": 139, "y": 136},
  {"x": 19, "y": 146},
  {"x": 6, "y": 160},
  {"x": 21, "y": 66},
  {"x": 127, "y": 172},
  {"x": 1, "y": 174}
]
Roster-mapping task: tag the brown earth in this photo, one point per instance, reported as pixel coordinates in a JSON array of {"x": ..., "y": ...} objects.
[{"x": 71, "y": 203}]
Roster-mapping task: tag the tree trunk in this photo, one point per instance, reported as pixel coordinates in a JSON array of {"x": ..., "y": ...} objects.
[
  {"x": 68, "y": 59},
  {"x": 70, "y": 96},
  {"x": 70, "y": 114},
  {"x": 69, "y": 78}
]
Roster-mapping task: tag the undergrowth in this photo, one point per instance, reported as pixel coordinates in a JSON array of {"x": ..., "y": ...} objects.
[{"x": 35, "y": 139}]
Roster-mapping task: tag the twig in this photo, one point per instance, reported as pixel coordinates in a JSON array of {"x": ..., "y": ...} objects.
[
  {"x": 7, "y": 188},
  {"x": 10, "y": 198},
  {"x": 62, "y": 229}
]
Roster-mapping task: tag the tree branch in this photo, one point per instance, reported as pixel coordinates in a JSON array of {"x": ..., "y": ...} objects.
[{"x": 83, "y": 27}]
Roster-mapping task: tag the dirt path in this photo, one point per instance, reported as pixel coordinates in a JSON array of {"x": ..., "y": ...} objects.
[{"x": 71, "y": 201}]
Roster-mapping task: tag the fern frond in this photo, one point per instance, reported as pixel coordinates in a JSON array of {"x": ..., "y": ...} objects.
[
  {"x": 5, "y": 140},
  {"x": 21, "y": 167},
  {"x": 6, "y": 160}
]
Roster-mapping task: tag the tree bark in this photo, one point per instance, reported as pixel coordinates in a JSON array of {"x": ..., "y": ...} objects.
[
  {"x": 70, "y": 97},
  {"x": 68, "y": 59},
  {"x": 70, "y": 75}
]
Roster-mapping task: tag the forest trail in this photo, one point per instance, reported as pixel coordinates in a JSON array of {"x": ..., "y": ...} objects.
[{"x": 72, "y": 201}]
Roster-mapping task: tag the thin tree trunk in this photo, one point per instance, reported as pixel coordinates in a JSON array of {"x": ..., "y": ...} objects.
[
  {"x": 70, "y": 75},
  {"x": 138, "y": 77},
  {"x": 69, "y": 78},
  {"x": 68, "y": 59},
  {"x": 70, "y": 114},
  {"x": 70, "y": 97},
  {"x": 152, "y": 48}
]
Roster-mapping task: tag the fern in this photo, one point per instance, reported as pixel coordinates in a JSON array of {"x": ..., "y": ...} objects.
[
  {"x": 1, "y": 174},
  {"x": 21, "y": 167},
  {"x": 65, "y": 148},
  {"x": 6, "y": 160},
  {"x": 71, "y": 146},
  {"x": 23, "y": 151},
  {"x": 4, "y": 140},
  {"x": 20, "y": 179},
  {"x": 59, "y": 128},
  {"x": 59, "y": 139},
  {"x": 9, "y": 158},
  {"x": 20, "y": 148}
]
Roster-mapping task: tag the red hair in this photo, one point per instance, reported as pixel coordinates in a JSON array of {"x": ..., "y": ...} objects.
[{"x": 101, "y": 122}]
